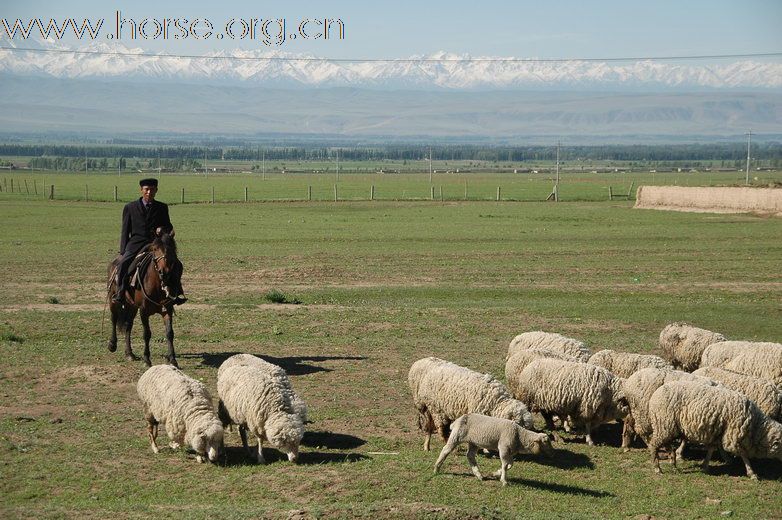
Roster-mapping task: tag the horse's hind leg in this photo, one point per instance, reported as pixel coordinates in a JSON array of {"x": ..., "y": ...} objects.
[
  {"x": 168, "y": 320},
  {"x": 147, "y": 336},
  {"x": 112, "y": 344}
]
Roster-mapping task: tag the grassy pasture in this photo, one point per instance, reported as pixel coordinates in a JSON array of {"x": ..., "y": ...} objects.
[
  {"x": 582, "y": 186},
  {"x": 381, "y": 284}
]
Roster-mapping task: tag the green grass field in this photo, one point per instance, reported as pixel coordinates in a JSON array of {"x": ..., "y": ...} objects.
[
  {"x": 382, "y": 284},
  {"x": 275, "y": 186}
]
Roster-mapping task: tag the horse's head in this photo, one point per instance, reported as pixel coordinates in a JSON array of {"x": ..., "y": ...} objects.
[{"x": 164, "y": 258}]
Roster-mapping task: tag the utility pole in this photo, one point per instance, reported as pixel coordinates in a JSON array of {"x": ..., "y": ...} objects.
[
  {"x": 205, "y": 174},
  {"x": 337, "y": 164},
  {"x": 558, "y": 144},
  {"x": 263, "y": 165},
  {"x": 430, "y": 165},
  {"x": 749, "y": 141}
]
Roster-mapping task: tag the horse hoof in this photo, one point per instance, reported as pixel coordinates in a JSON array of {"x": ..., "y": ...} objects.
[
  {"x": 147, "y": 361},
  {"x": 112, "y": 346},
  {"x": 172, "y": 362},
  {"x": 130, "y": 356}
]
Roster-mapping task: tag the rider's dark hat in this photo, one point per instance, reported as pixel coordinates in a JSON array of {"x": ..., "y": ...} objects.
[{"x": 148, "y": 182}]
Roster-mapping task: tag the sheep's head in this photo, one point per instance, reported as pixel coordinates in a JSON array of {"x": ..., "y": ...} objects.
[
  {"x": 773, "y": 439},
  {"x": 541, "y": 444},
  {"x": 285, "y": 431},
  {"x": 208, "y": 440},
  {"x": 515, "y": 411},
  {"x": 618, "y": 398}
]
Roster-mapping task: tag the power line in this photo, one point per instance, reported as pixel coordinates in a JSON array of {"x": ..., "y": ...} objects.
[{"x": 401, "y": 60}]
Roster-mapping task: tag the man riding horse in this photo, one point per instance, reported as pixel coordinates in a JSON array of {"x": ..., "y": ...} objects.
[{"x": 142, "y": 221}]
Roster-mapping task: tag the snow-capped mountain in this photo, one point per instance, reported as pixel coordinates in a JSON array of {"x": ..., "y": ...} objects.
[{"x": 441, "y": 70}]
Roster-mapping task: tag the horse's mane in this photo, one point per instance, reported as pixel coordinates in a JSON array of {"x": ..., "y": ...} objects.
[{"x": 165, "y": 242}]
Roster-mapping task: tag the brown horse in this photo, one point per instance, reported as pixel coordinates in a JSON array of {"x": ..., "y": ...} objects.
[{"x": 156, "y": 274}]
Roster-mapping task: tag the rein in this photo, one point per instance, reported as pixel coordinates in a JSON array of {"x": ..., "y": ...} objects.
[{"x": 155, "y": 260}]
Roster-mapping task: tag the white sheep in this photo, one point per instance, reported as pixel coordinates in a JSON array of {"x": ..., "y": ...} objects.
[
  {"x": 274, "y": 371},
  {"x": 683, "y": 344},
  {"x": 259, "y": 403},
  {"x": 492, "y": 433},
  {"x": 761, "y": 391},
  {"x": 638, "y": 389},
  {"x": 443, "y": 391},
  {"x": 549, "y": 341},
  {"x": 720, "y": 354},
  {"x": 584, "y": 393},
  {"x": 184, "y": 406},
  {"x": 765, "y": 363},
  {"x": 715, "y": 417},
  {"x": 625, "y": 364}
]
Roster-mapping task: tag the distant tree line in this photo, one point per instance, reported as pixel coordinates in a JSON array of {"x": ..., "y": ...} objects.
[
  {"x": 106, "y": 163},
  {"x": 67, "y": 156}
]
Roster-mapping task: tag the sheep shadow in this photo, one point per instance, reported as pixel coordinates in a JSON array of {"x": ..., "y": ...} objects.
[
  {"x": 604, "y": 435},
  {"x": 766, "y": 469},
  {"x": 560, "y": 459},
  {"x": 561, "y": 488},
  {"x": 293, "y": 365},
  {"x": 330, "y": 440},
  {"x": 236, "y": 456}
]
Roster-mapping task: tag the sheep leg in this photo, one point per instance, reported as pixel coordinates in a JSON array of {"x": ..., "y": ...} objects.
[
  {"x": 751, "y": 474},
  {"x": 705, "y": 463},
  {"x": 655, "y": 457},
  {"x": 243, "y": 435},
  {"x": 548, "y": 417},
  {"x": 588, "y": 427},
  {"x": 152, "y": 426},
  {"x": 427, "y": 441},
  {"x": 628, "y": 432},
  {"x": 447, "y": 449},
  {"x": 147, "y": 337},
  {"x": 680, "y": 450},
  {"x": 261, "y": 460},
  {"x": 506, "y": 461},
  {"x": 472, "y": 450}
]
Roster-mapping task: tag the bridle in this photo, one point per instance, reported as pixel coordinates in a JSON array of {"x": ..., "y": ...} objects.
[{"x": 163, "y": 286}]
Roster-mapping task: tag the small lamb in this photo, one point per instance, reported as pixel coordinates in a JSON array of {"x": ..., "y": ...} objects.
[{"x": 492, "y": 433}]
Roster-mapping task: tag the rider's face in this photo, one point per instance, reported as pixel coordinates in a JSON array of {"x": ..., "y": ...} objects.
[{"x": 148, "y": 193}]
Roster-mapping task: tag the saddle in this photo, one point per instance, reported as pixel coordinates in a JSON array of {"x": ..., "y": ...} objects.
[{"x": 137, "y": 267}]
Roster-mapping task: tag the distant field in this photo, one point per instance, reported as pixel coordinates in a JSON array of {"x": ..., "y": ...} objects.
[
  {"x": 381, "y": 284},
  {"x": 271, "y": 186}
]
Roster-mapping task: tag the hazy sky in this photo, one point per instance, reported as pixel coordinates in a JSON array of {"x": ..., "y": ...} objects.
[{"x": 556, "y": 29}]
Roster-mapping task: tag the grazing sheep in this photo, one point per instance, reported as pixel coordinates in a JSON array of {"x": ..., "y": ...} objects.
[
  {"x": 638, "y": 389},
  {"x": 491, "y": 433},
  {"x": 184, "y": 406},
  {"x": 720, "y": 354},
  {"x": 272, "y": 370},
  {"x": 520, "y": 359},
  {"x": 761, "y": 391},
  {"x": 683, "y": 344},
  {"x": 625, "y": 364},
  {"x": 549, "y": 341},
  {"x": 260, "y": 403},
  {"x": 765, "y": 363},
  {"x": 443, "y": 391},
  {"x": 585, "y": 393},
  {"x": 714, "y": 416}
]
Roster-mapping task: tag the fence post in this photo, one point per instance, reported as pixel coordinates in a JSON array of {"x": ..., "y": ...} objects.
[
  {"x": 51, "y": 192},
  {"x": 499, "y": 193},
  {"x": 441, "y": 194},
  {"x": 309, "y": 193},
  {"x": 35, "y": 186},
  {"x": 372, "y": 192},
  {"x": 432, "y": 192},
  {"x": 610, "y": 194},
  {"x": 86, "y": 192},
  {"x": 335, "y": 193},
  {"x": 245, "y": 193},
  {"x": 183, "y": 196},
  {"x": 27, "y": 188},
  {"x": 465, "y": 189},
  {"x": 115, "y": 194},
  {"x": 12, "y": 184},
  {"x": 213, "y": 194}
]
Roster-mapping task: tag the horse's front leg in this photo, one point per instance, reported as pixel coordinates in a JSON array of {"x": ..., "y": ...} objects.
[
  {"x": 147, "y": 336},
  {"x": 168, "y": 320},
  {"x": 129, "y": 355}
]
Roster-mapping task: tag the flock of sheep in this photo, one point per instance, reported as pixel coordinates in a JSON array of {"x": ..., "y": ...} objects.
[{"x": 721, "y": 394}]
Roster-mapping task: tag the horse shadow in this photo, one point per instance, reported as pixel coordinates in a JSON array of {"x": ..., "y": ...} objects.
[{"x": 293, "y": 365}]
